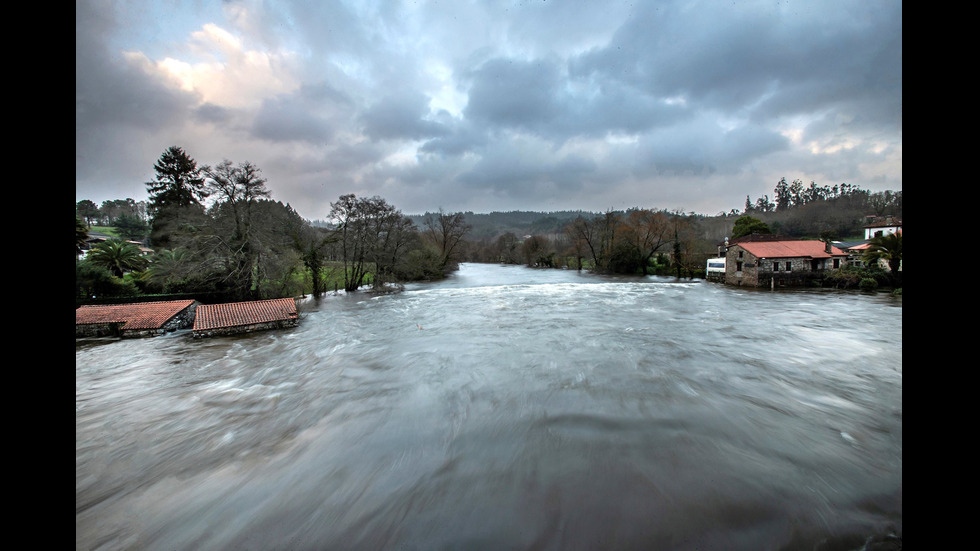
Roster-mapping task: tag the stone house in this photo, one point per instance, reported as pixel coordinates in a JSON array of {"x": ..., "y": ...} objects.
[{"x": 780, "y": 262}]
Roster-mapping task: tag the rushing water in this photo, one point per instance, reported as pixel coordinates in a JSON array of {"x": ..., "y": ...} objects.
[{"x": 505, "y": 408}]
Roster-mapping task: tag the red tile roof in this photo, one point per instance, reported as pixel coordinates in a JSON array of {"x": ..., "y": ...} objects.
[
  {"x": 234, "y": 314},
  {"x": 140, "y": 315},
  {"x": 791, "y": 249}
]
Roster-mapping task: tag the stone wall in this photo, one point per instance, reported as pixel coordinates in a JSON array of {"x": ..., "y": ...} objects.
[
  {"x": 240, "y": 329},
  {"x": 89, "y": 330}
]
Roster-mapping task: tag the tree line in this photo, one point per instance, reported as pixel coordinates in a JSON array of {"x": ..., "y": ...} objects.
[{"x": 215, "y": 230}]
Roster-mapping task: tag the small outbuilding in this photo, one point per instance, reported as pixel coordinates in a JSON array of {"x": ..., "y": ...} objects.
[
  {"x": 244, "y": 317},
  {"x": 140, "y": 319}
]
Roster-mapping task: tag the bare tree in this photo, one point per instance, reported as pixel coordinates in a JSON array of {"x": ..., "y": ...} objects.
[
  {"x": 650, "y": 232},
  {"x": 446, "y": 232},
  {"x": 371, "y": 235},
  {"x": 236, "y": 190},
  {"x": 598, "y": 235}
]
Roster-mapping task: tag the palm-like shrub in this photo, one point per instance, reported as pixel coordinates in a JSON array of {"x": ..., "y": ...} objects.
[
  {"x": 118, "y": 256},
  {"x": 887, "y": 248}
]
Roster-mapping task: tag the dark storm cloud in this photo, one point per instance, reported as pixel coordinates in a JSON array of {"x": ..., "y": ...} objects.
[
  {"x": 515, "y": 93},
  {"x": 617, "y": 102},
  {"x": 767, "y": 62},
  {"x": 539, "y": 96}
]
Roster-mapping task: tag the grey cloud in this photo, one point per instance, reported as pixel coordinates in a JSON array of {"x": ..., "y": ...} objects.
[
  {"x": 540, "y": 97},
  {"x": 535, "y": 89},
  {"x": 514, "y": 93},
  {"x": 520, "y": 169},
  {"x": 312, "y": 114},
  {"x": 725, "y": 57},
  {"x": 401, "y": 116},
  {"x": 209, "y": 112},
  {"x": 704, "y": 148},
  {"x": 110, "y": 91}
]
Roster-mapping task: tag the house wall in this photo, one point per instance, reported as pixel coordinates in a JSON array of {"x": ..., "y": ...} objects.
[
  {"x": 97, "y": 330},
  {"x": 740, "y": 267},
  {"x": 239, "y": 329},
  {"x": 870, "y": 233}
]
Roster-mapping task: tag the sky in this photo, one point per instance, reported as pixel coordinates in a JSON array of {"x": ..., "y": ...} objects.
[{"x": 472, "y": 105}]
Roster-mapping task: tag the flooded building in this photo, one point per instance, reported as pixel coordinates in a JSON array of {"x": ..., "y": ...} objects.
[
  {"x": 244, "y": 317},
  {"x": 140, "y": 319}
]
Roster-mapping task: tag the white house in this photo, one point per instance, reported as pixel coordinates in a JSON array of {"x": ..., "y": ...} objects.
[{"x": 882, "y": 227}]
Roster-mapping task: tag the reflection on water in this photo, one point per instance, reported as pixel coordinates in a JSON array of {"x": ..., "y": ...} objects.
[{"x": 505, "y": 408}]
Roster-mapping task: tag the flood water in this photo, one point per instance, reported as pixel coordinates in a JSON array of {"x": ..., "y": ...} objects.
[{"x": 505, "y": 408}]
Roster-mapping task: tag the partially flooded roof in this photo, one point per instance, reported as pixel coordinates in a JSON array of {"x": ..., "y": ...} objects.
[
  {"x": 133, "y": 316},
  {"x": 235, "y": 314}
]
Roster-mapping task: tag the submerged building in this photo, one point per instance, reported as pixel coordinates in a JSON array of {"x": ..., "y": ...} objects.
[
  {"x": 139, "y": 319},
  {"x": 244, "y": 317}
]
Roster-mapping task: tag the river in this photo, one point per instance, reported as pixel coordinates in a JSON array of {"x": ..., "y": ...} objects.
[{"x": 505, "y": 408}]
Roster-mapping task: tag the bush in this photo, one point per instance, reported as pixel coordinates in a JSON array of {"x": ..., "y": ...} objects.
[
  {"x": 849, "y": 277},
  {"x": 419, "y": 265},
  {"x": 868, "y": 284}
]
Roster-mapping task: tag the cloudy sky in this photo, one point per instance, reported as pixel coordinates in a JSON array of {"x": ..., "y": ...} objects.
[{"x": 494, "y": 105}]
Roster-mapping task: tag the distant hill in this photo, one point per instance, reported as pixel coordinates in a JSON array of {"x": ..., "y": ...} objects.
[{"x": 520, "y": 223}]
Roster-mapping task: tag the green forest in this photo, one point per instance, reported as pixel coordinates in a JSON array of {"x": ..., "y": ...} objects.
[{"x": 216, "y": 233}]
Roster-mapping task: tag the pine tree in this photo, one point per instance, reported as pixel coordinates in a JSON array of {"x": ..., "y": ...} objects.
[{"x": 178, "y": 183}]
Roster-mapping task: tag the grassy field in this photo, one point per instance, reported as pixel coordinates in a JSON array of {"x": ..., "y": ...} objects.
[{"x": 108, "y": 230}]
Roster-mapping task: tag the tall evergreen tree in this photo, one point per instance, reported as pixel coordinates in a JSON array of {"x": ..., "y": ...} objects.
[
  {"x": 175, "y": 195},
  {"x": 178, "y": 183}
]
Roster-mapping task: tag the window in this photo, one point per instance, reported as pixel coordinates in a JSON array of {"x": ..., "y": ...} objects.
[
  {"x": 789, "y": 266},
  {"x": 738, "y": 266},
  {"x": 775, "y": 266},
  {"x": 836, "y": 263}
]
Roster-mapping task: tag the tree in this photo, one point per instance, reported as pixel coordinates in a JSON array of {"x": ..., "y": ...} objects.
[
  {"x": 536, "y": 251},
  {"x": 81, "y": 235},
  {"x": 887, "y": 248},
  {"x": 446, "y": 232},
  {"x": 87, "y": 210},
  {"x": 747, "y": 225},
  {"x": 371, "y": 235},
  {"x": 118, "y": 256},
  {"x": 175, "y": 195},
  {"x": 596, "y": 235},
  {"x": 130, "y": 227},
  {"x": 236, "y": 191},
  {"x": 782, "y": 195},
  {"x": 169, "y": 268},
  {"x": 178, "y": 183},
  {"x": 649, "y": 232},
  {"x": 311, "y": 244}
]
